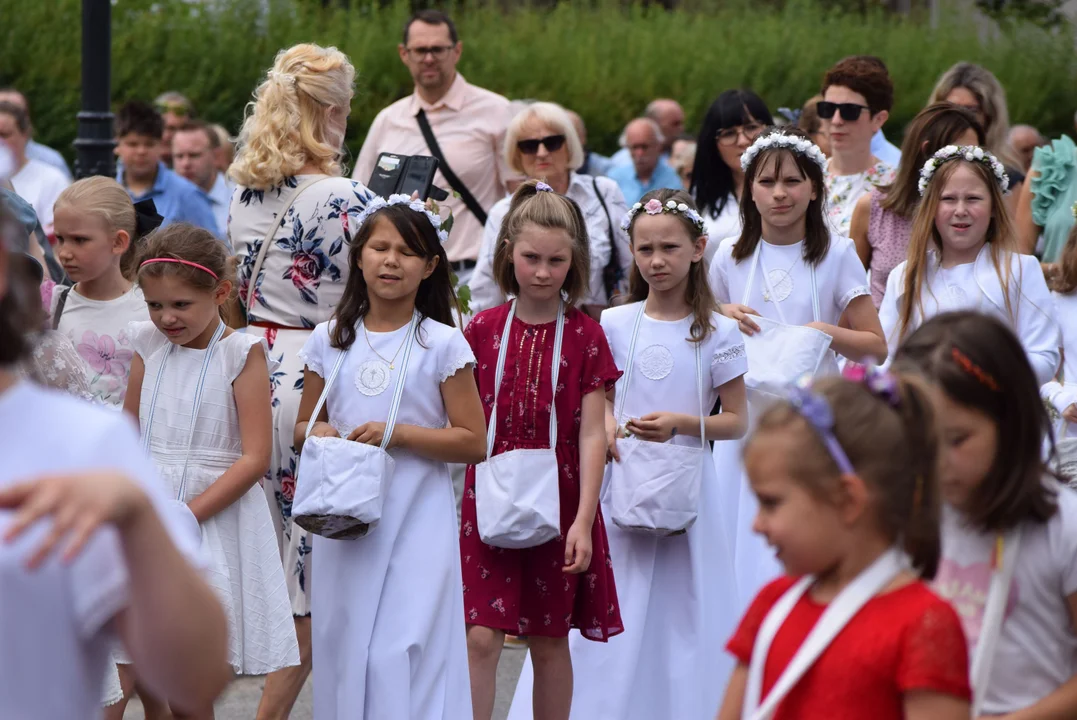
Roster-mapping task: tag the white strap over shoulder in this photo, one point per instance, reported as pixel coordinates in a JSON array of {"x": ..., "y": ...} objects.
[{"x": 998, "y": 594}]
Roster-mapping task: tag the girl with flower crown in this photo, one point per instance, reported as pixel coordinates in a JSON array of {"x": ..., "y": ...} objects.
[
  {"x": 788, "y": 281},
  {"x": 387, "y": 612},
  {"x": 963, "y": 256}
]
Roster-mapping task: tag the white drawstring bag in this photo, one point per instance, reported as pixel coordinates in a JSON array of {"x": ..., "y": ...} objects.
[
  {"x": 182, "y": 512},
  {"x": 780, "y": 354},
  {"x": 341, "y": 484},
  {"x": 517, "y": 494},
  {"x": 655, "y": 487}
]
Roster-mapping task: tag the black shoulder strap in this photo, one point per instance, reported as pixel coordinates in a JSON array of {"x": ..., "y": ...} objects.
[
  {"x": 443, "y": 165},
  {"x": 612, "y": 273},
  {"x": 60, "y": 302}
]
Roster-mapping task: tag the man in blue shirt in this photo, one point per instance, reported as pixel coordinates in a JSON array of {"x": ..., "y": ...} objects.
[
  {"x": 139, "y": 130},
  {"x": 644, "y": 141}
]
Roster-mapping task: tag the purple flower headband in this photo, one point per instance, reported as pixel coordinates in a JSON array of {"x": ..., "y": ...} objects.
[
  {"x": 814, "y": 408},
  {"x": 881, "y": 383},
  {"x": 543, "y": 187}
]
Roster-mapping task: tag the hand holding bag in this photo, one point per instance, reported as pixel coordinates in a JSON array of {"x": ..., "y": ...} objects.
[
  {"x": 517, "y": 493},
  {"x": 341, "y": 484},
  {"x": 655, "y": 487}
]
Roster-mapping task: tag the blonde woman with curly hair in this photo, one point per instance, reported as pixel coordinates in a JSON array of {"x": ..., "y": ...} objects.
[{"x": 291, "y": 223}]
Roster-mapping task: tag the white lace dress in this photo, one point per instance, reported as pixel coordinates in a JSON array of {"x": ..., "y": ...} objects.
[
  {"x": 53, "y": 362},
  {"x": 239, "y": 542}
]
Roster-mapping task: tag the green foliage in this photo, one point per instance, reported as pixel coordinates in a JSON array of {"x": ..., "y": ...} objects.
[
  {"x": 603, "y": 58},
  {"x": 1046, "y": 13}
]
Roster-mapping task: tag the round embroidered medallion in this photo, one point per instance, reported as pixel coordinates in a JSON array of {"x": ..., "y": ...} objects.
[
  {"x": 656, "y": 362},
  {"x": 781, "y": 282},
  {"x": 373, "y": 377}
]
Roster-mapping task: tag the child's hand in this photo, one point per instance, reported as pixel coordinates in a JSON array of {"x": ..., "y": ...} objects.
[
  {"x": 654, "y": 427},
  {"x": 611, "y": 439},
  {"x": 323, "y": 429},
  {"x": 369, "y": 433},
  {"x": 1070, "y": 413},
  {"x": 741, "y": 314},
  {"x": 577, "y": 549},
  {"x": 78, "y": 505}
]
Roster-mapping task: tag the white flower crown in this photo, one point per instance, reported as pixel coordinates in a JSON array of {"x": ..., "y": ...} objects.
[
  {"x": 654, "y": 206},
  {"x": 799, "y": 145},
  {"x": 377, "y": 203},
  {"x": 971, "y": 153}
]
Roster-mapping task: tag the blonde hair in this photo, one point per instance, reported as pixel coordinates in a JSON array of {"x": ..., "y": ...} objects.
[
  {"x": 549, "y": 210},
  {"x": 552, "y": 116},
  {"x": 992, "y": 100},
  {"x": 285, "y": 127},
  {"x": 104, "y": 198},
  {"x": 1001, "y": 239}
]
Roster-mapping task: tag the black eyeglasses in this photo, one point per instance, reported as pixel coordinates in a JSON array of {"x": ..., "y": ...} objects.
[
  {"x": 438, "y": 52},
  {"x": 729, "y": 136},
  {"x": 850, "y": 112},
  {"x": 552, "y": 143}
]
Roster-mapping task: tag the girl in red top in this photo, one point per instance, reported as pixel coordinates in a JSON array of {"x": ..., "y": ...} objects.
[
  {"x": 844, "y": 471},
  {"x": 542, "y": 592}
]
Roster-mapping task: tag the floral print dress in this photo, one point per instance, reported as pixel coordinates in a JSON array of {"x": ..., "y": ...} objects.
[
  {"x": 843, "y": 191},
  {"x": 299, "y": 284}
]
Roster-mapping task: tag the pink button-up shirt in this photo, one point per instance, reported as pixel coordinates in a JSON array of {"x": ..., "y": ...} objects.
[{"x": 469, "y": 123}]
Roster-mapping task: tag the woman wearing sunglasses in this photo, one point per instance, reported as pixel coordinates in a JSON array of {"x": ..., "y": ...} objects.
[
  {"x": 541, "y": 143},
  {"x": 857, "y": 96},
  {"x": 733, "y": 121}
]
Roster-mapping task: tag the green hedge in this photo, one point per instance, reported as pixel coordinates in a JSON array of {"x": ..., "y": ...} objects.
[{"x": 605, "y": 59}]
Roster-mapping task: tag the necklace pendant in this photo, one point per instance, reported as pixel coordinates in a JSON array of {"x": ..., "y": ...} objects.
[
  {"x": 766, "y": 296},
  {"x": 392, "y": 366}
]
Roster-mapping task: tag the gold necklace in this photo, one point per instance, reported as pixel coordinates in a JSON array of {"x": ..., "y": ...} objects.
[{"x": 390, "y": 363}]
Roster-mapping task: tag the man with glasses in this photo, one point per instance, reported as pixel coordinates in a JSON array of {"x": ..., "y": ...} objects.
[
  {"x": 176, "y": 111},
  {"x": 644, "y": 141},
  {"x": 466, "y": 123},
  {"x": 857, "y": 97}
]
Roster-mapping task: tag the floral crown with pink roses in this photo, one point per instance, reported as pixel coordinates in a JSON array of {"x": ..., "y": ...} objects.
[
  {"x": 654, "y": 206},
  {"x": 377, "y": 203}
]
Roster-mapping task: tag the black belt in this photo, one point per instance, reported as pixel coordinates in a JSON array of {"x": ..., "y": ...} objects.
[{"x": 459, "y": 265}]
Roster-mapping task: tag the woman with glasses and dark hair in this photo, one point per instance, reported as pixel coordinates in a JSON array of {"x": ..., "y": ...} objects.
[
  {"x": 541, "y": 144},
  {"x": 733, "y": 121}
]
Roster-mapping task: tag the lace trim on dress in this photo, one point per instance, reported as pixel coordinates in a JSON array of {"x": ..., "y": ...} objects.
[
  {"x": 462, "y": 361},
  {"x": 313, "y": 362},
  {"x": 728, "y": 355},
  {"x": 853, "y": 295},
  {"x": 55, "y": 363}
]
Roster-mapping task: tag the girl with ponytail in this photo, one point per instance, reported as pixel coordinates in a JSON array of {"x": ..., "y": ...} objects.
[{"x": 845, "y": 471}]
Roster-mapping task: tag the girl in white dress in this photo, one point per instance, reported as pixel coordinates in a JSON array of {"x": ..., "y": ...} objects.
[
  {"x": 788, "y": 268},
  {"x": 963, "y": 256},
  {"x": 387, "y": 609},
  {"x": 1062, "y": 393},
  {"x": 201, "y": 394},
  {"x": 668, "y": 662}
]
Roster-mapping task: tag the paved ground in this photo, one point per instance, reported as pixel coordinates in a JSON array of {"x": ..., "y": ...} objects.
[{"x": 240, "y": 701}]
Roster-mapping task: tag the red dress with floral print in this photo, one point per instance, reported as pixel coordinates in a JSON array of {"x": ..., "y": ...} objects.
[{"x": 526, "y": 592}]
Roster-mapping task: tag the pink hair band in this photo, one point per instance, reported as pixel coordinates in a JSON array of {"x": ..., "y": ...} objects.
[{"x": 181, "y": 262}]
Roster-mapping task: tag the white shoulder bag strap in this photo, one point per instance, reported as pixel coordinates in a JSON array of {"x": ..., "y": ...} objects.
[
  {"x": 397, "y": 392},
  {"x": 248, "y": 302},
  {"x": 499, "y": 372},
  {"x": 837, "y": 615},
  {"x": 998, "y": 594},
  {"x": 622, "y": 394},
  {"x": 181, "y": 494}
]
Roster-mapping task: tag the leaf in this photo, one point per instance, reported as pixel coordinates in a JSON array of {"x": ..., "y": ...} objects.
[{"x": 463, "y": 295}]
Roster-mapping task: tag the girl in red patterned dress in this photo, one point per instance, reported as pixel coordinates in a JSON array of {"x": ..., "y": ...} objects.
[
  {"x": 541, "y": 592},
  {"x": 846, "y": 477}
]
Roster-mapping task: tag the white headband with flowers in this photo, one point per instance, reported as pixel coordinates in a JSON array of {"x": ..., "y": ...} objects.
[
  {"x": 377, "y": 203},
  {"x": 799, "y": 145},
  {"x": 971, "y": 153},
  {"x": 654, "y": 206}
]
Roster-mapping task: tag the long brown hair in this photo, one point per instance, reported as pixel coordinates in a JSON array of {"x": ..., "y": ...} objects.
[
  {"x": 697, "y": 293},
  {"x": 893, "y": 447},
  {"x": 990, "y": 373},
  {"x": 1000, "y": 238},
  {"x": 817, "y": 229},
  {"x": 1063, "y": 278},
  {"x": 544, "y": 209},
  {"x": 935, "y": 127}
]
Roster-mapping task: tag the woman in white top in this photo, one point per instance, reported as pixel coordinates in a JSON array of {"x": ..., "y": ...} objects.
[
  {"x": 732, "y": 122},
  {"x": 963, "y": 256},
  {"x": 788, "y": 268},
  {"x": 541, "y": 143},
  {"x": 35, "y": 181}
]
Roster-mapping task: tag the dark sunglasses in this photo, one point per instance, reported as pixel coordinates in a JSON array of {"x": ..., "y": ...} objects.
[
  {"x": 850, "y": 112},
  {"x": 552, "y": 143}
]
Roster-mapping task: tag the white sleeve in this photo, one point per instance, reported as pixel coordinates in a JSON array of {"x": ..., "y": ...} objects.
[
  {"x": 1036, "y": 325},
  {"x": 455, "y": 355},
  {"x": 145, "y": 338},
  {"x": 888, "y": 311},
  {"x": 849, "y": 273},
  {"x": 1062, "y": 531},
  {"x": 314, "y": 349},
  {"x": 618, "y": 208},
  {"x": 98, "y": 582},
  {"x": 717, "y": 274},
  {"x": 729, "y": 360},
  {"x": 485, "y": 293},
  {"x": 238, "y": 350}
]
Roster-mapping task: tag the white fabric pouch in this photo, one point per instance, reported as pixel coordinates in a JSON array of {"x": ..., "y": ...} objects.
[
  {"x": 341, "y": 484},
  {"x": 655, "y": 487},
  {"x": 517, "y": 493}
]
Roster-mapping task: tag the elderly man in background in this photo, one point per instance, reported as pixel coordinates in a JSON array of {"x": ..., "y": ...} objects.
[
  {"x": 175, "y": 110},
  {"x": 194, "y": 148},
  {"x": 448, "y": 117},
  {"x": 644, "y": 141},
  {"x": 670, "y": 118},
  {"x": 593, "y": 163},
  {"x": 35, "y": 150},
  {"x": 1023, "y": 141}
]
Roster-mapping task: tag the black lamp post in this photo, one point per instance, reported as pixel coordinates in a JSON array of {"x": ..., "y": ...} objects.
[{"x": 95, "y": 142}]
